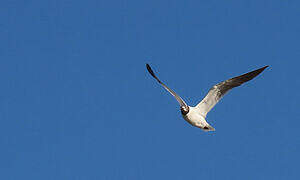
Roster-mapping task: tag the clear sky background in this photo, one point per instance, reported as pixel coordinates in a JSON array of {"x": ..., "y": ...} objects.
[{"x": 76, "y": 101}]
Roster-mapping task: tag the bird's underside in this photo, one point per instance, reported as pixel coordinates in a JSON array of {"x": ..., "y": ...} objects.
[{"x": 196, "y": 115}]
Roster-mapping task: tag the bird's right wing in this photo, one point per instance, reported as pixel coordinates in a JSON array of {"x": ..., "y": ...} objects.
[
  {"x": 218, "y": 91},
  {"x": 178, "y": 98}
]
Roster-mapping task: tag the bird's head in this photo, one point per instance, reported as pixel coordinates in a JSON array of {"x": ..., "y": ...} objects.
[{"x": 184, "y": 110}]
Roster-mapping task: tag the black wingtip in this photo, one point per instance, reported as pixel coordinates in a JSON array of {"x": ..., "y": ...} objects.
[
  {"x": 148, "y": 66},
  {"x": 263, "y": 68},
  {"x": 149, "y": 69},
  {"x": 151, "y": 72}
]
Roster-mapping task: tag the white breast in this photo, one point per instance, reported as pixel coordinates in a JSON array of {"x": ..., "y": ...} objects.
[{"x": 195, "y": 118}]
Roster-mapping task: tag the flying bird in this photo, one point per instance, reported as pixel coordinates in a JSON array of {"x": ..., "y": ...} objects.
[{"x": 196, "y": 115}]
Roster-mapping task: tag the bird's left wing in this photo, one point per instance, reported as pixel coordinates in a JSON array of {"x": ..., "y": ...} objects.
[
  {"x": 218, "y": 91},
  {"x": 178, "y": 98}
]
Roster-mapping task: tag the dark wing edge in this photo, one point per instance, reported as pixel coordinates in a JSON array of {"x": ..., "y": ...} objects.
[
  {"x": 239, "y": 80},
  {"x": 152, "y": 73},
  {"x": 178, "y": 98},
  {"x": 218, "y": 91}
]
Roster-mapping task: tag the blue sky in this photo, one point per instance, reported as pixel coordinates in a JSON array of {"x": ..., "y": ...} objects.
[{"x": 77, "y": 102}]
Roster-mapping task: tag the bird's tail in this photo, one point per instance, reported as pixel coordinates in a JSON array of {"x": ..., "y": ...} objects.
[{"x": 208, "y": 128}]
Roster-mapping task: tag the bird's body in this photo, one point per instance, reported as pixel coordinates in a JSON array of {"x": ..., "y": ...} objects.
[
  {"x": 196, "y": 115},
  {"x": 195, "y": 118}
]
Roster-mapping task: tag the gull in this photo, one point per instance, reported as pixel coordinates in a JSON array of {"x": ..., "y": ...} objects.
[{"x": 196, "y": 115}]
